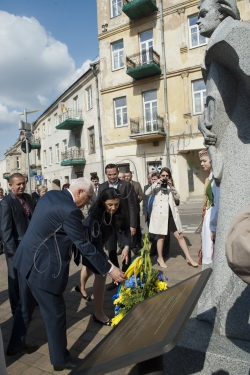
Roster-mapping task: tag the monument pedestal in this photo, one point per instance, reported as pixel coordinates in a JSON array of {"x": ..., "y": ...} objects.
[{"x": 201, "y": 351}]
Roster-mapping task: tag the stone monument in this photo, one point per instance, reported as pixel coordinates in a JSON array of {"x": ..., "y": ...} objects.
[
  {"x": 225, "y": 125},
  {"x": 219, "y": 341}
]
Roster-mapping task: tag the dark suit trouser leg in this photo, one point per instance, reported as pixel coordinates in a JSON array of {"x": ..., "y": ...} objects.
[
  {"x": 53, "y": 311},
  {"x": 111, "y": 246},
  {"x": 13, "y": 286},
  {"x": 138, "y": 230},
  {"x": 23, "y": 313}
]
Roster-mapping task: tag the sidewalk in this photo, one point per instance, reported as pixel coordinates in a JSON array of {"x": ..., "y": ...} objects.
[{"x": 82, "y": 333}]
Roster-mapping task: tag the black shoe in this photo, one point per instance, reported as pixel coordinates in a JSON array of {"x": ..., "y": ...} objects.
[
  {"x": 28, "y": 349},
  {"x": 112, "y": 286},
  {"x": 87, "y": 298},
  {"x": 119, "y": 251},
  {"x": 108, "y": 323},
  {"x": 70, "y": 365}
]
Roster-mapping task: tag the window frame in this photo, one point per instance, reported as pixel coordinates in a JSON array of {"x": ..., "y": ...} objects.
[
  {"x": 115, "y": 52},
  {"x": 91, "y": 137},
  {"x": 57, "y": 152},
  {"x": 202, "y": 99},
  {"x": 115, "y": 112},
  {"x": 18, "y": 162},
  {"x": 89, "y": 98},
  {"x": 50, "y": 156},
  {"x": 44, "y": 159},
  {"x": 117, "y": 8},
  {"x": 198, "y": 33}
]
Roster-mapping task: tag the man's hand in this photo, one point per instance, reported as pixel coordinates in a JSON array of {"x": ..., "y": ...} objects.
[
  {"x": 204, "y": 125},
  {"x": 117, "y": 275},
  {"x": 124, "y": 254},
  {"x": 132, "y": 231}
]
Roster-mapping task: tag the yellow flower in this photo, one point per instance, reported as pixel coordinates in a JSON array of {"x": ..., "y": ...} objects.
[
  {"x": 128, "y": 291},
  {"x": 118, "y": 300},
  {"x": 161, "y": 285},
  {"x": 117, "y": 319}
]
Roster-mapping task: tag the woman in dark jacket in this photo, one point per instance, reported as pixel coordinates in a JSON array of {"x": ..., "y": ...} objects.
[{"x": 104, "y": 219}]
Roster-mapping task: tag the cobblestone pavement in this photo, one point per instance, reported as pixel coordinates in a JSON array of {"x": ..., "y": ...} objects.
[{"x": 82, "y": 333}]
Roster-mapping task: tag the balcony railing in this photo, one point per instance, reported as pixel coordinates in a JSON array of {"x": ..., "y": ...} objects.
[
  {"x": 73, "y": 156},
  {"x": 70, "y": 119},
  {"x": 136, "y": 9},
  {"x": 144, "y": 64},
  {"x": 149, "y": 126},
  {"x": 35, "y": 143}
]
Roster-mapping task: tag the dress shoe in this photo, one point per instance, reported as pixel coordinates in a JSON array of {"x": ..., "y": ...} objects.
[
  {"x": 27, "y": 349},
  {"x": 70, "y": 365},
  {"x": 87, "y": 298},
  {"x": 112, "y": 286},
  {"x": 107, "y": 323}
]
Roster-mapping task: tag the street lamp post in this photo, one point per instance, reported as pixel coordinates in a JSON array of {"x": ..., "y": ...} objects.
[{"x": 28, "y": 128}]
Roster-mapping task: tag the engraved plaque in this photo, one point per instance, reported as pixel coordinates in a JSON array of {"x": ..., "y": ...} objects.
[{"x": 150, "y": 329}]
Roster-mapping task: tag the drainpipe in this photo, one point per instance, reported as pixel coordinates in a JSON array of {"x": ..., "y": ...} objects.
[
  {"x": 94, "y": 70},
  {"x": 165, "y": 86}
]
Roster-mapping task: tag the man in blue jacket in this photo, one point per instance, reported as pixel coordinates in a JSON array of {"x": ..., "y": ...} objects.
[{"x": 42, "y": 262}]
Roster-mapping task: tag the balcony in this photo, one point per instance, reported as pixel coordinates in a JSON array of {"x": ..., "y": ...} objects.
[
  {"x": 143, "y": 65},
  {"x": 73, "y": 156},
  {"x": 6, "y": 176},
  {"x": 35, "y": 143},
  {"x": 136, "y": 9},
  {"x": 147, "y": 128},
  {"x": 70, "y": 119}
]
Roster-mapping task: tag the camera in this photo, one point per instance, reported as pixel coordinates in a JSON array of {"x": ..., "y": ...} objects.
[{"x": 164, "y": 184}]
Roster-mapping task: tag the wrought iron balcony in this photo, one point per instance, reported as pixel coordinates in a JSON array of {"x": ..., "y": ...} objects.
[
  {"x": 73, "y": 156},
  {"x": 136, "y": 9},
  {"x": 148, "y": 127},
  {"x": 6, "y": 176},
  {"x": 144, "y": 64},
  {"x": 35, "y": 143},
  {"x": 70, "y": 119}
]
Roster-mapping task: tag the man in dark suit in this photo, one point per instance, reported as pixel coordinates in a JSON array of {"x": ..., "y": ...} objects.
[
  {"x": 128, "y": 208},
  {"x": 95, "y": 181},
  {"x": 15, "y": 213},
  {"x": 42, "y": 262},
  {"x": 139, "y": 196}
]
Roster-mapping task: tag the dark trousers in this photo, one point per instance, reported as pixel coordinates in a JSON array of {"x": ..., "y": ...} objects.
[
  {"x": 138, "y": 230},
  {"x": 53, "y": 311},
  {"x": 13, "y": 285},
  {"x": 111, "y": 246}
]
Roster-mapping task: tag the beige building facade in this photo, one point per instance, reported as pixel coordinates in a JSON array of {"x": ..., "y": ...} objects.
[{"x": 152, "y": 91}]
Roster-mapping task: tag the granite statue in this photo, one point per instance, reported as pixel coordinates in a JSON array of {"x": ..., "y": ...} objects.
[{"x": 225, "y": 125}]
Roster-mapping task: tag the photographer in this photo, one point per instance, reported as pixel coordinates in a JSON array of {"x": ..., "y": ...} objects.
[{"x": 165, "y": 216}]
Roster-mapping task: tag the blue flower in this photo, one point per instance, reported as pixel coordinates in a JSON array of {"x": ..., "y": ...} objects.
[
  {"x": 161, "y": 277},
  {"x": 115, "y": 296}
]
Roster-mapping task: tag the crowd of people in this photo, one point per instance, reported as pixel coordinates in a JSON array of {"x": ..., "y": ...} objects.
[{"x": 39, "y": 235}]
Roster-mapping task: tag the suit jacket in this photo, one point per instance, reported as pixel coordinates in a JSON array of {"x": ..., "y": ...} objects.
[
  {"x": 44, "y": 254},
  {"x": 128, "y": 205},
  {"x": 138, "y": 192},
  {"x": 145, "y": 201},
  {"x": 94, "y": 197},
  {"x": 13, "y": 221}
]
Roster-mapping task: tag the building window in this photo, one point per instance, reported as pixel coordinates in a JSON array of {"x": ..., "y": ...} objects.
[
  {"x": 55, "y": 121},
  {"x": 89, "y": 97},
  {"x": 117, "y": 55},
  {"x": 65, "y": 147},
  {"x": 49, "y": 127},
  {"x": 45, "y": 181},
  {"x": 123, "y": 167},
  {"x": 50, "y": 156},
  {"x": 150, "y": 106},
  {"x": 199, "y": 96},
  {"x": 44, "y": 159},
  {"x": 195, "y": 38},
  {"x": 78, "y": 140},
  {"x": 120, "y": 107},
  {"x": 57, "y": 153},
  {"x": 116, "y": 7},
  {"x": 76, "y": 105},
  {"x": 18, "y": 162},
  {"x": 66, "y": 179},
  {"x": 91, "y": 140},
  {"x": 44, "y": 130},
  {"x": 146, "y": 46}
]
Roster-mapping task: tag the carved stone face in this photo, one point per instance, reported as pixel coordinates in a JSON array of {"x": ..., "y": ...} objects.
[{"x": 209, "y": 18}]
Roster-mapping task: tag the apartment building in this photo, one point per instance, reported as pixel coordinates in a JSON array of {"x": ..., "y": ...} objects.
[
  {"x": 152, "y": 88},
  {"x": 68, "y": 134}
]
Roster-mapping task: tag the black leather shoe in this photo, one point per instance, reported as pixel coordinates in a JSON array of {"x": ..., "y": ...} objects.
[
  {"x": 107, "y": 323},
  {"x": 27, "y": 349},
  {"x": 112, "y": 286},
  {"x": 70, "y": 365},
  {"x": 87, "y": 298}
]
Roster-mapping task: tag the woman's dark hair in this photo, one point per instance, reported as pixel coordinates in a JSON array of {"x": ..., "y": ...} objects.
[
  {"x": 165, "y": 169},
  {"x": 98, "y": 206}
]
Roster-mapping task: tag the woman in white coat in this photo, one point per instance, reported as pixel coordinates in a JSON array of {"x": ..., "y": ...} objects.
[{"x": 165, "y": 216}]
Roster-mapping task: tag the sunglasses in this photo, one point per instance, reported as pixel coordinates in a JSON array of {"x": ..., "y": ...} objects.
[{"x": 165, "y": 175}]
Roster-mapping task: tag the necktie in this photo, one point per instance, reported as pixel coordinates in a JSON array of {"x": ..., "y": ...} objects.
[{"x": 25, "y": 206}]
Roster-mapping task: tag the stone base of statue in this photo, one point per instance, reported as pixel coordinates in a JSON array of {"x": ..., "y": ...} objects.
[{"x": 201, "y": 351}]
